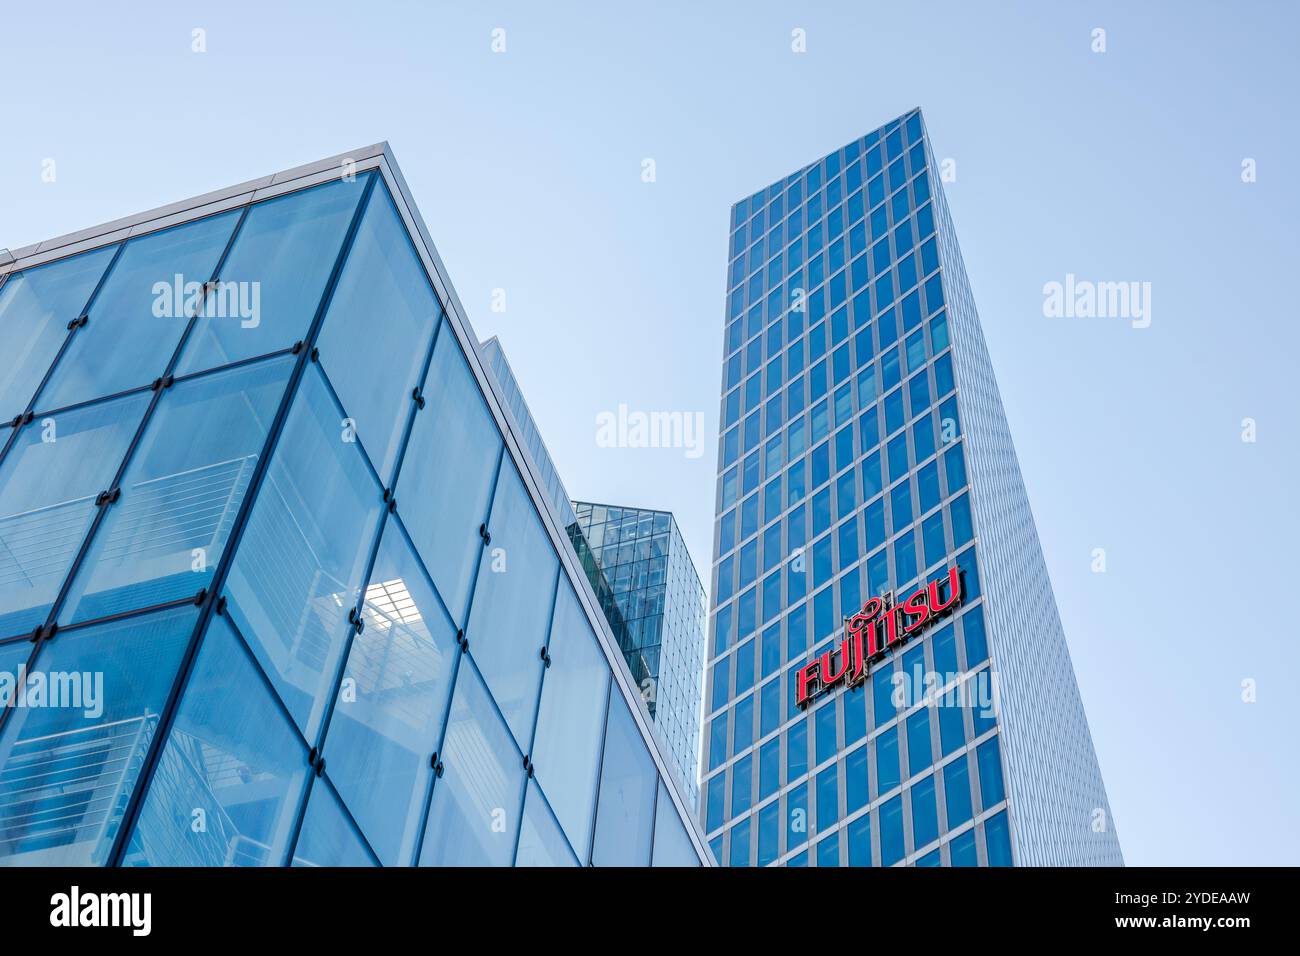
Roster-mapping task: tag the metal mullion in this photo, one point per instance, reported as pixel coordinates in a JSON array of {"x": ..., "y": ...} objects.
[
  {"x": 85, "y": 310},
  {"x": 127, "y": 615},
  {"x": 455, "y": 676},
  {"x": 67, "y": 340},
  {"x": 440, "y": 321},
  {"x": 238, "y": 363},
  {"x": 600, "y": 776},
  {"x": 222, "y": 570},
  {"x": 313, "y": 783}
]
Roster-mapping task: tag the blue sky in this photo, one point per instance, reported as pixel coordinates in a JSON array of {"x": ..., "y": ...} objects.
[{"x": 1115, "y": 166}]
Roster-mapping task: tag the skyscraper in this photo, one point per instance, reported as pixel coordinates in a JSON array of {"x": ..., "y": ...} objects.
[
  {"x": 889, "y": 680},
  {"x": 279, "y": 583}
]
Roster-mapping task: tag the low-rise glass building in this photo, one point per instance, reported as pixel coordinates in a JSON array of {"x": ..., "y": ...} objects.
[{"x": 277, "y": 583}]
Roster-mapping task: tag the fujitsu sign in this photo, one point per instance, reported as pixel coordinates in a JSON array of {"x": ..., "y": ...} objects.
[{"x": 880, "y": 627}]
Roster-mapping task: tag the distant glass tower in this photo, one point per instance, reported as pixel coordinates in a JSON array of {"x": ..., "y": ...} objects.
[
  {"x": 889, "y": 681},
  {"x": 659, "y": 610}
]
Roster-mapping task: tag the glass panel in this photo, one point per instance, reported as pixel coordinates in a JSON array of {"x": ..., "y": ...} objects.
[
  {"x": 181, "y": 492},
  {"x": 443, "y": 506},
  {"x": 512, "y": 603},
  {"x": 278, "y": 265},
  {"x": 228, "y": 783},
  {"x": 35, "y": 309},
  {"x": 625, "y": 810},
  {"x": 375, "y": 365},
  {"x": 137, "y": 319},
  {"x": 302, "y": 560},
  {"x": 541, "y": 841},
  {"x": 672, "y": 846},
  {"x": 389, "y": 712},
  {"x": 48, "y": 485},
  {"x": 474, "y": 812},
  {"x": 328, "y": 837},
  {"x": 71, "y": 757},
  {"x": 571, "y": 719}
]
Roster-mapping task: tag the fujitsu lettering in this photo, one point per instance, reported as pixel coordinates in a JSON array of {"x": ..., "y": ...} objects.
[{"x": 871, "y": 633}]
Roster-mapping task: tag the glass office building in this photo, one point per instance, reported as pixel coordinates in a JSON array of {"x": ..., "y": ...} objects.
[
  {"x": 277, "y": 583},
  {"x": 865, "y": 453},
  {"x": 645, "y": 583},
  {"x": 659, "y": 602}
]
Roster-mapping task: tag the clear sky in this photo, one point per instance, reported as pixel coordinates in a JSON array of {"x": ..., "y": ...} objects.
[{"x": 527, "y": 164}]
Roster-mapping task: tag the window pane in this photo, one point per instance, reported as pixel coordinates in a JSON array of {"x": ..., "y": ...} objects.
[
  {"x": 70, "y": 766},
  {"x": 625, "y": 810},
  {"x": 387, "y": 719},
  {"x": 672, "y": 846},
  {"x": 137, "y": 319},
  {"x": 302, "y": 560},
  {"x": 566, "y": 751},
  {"x": 232, "y": 760},
  {"x": 181, "y": 492},
  {"x": 328, "y": 837},
  {"x": 541, "y": 842},
  {"x": 281, "y": 258},
  {"x": 375, "y": 365},
  {"x": 47, "y": 501},
  {"x": 474, "y": 814},
  {"x": 443, "y": 506},
  {"x": 512, "y": 603},
  {"x": 35, "y": 309}
]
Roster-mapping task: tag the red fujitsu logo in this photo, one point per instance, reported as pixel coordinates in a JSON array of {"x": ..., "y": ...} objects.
[{"x": 874, "y": 631}]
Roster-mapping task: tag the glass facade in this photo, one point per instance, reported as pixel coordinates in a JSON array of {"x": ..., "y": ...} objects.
[
  {"x": 274, "y": 587},
  {"x": 657, "y": 611},
  {"x": 864, "y": 452}
]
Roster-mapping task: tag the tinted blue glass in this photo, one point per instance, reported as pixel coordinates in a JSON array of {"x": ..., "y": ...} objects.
[
  {"x": 232, "y": 754},
  {"x": 181, "y": 492},
  {"x": 769, "y": 768},
  {"x": 887, "y": 771},
  {"x": 918, "y": 741},
  {"x": 73, "y": 753},
  {"x": 828, "y": 851},
  {"x": 856, "y": 784},
  {"x": 35, "y": 309},
  {"x": 444, "y": 506},
  {"x": 956, "y": 792},
  {"x": 990, "y": 764},
  {"x": 925, "y": 816},
  {"x": 972, "y": 625},
  {"x": 892, "y": 847},
  {"x": 997, "y": 840},
  {"x": 859, "y": 838},
  {"x": 388, "y": 715},
  {"x": 474, "y": 813},
  {"x": 715, "y": 802},
  {"x": 828, "y": 797},
  {"x": 278, "y": 265},
  {"x": 47, "y": 501},
  {"x": 512, "y": 603},
  {"x": 741, "y": 785},
  {"x": 739, "y": 835},
  {"x": 962, "y": 851},
  {"x": 769, "y": 833},
  {"x": 541, "y": 841},
  {"x": 302, "y": 560},
  {"x": 375, "y": 365},
  {"x": 328, "y": 837},
  {"x": 826, "y": 731},
  {"x": 625, "y": 808},
  {"x": 952, "y": 732},
  {"x": 138, "y": 316},
  {"x": 566, "y": 750},
  {"x": 796, "y": 816},
  {"x": 796, "y": 751},
  {"x": 882, "y": 691}
]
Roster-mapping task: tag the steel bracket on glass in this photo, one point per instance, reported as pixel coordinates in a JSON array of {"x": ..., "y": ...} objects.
[
  {"x": 78, "y": 323},
  {"x": 107, "y": 497}
]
